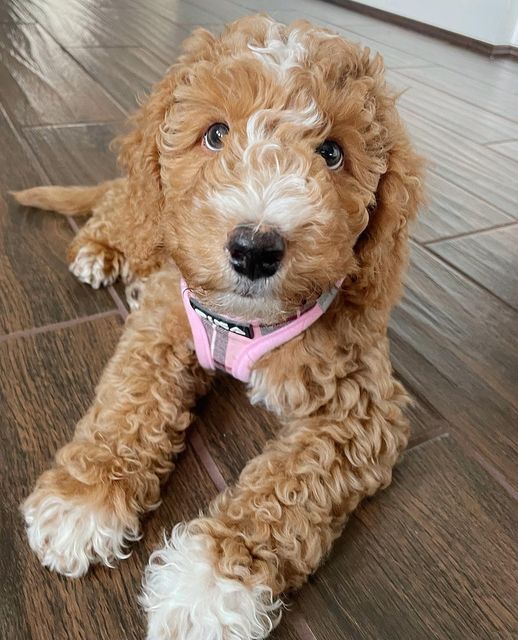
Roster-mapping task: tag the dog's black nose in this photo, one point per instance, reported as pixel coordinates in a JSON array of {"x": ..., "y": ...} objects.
[{"x": 255, "y": 254}]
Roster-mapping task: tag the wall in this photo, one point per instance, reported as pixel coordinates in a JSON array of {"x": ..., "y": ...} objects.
[{"x": 493, "y": 21}]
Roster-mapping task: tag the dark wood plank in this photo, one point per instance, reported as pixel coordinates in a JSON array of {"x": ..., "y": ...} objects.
[
  {"x": 471, "y": 65},
  {"x": 36, "y": 286},
  {"x": 42, "y": 84},
  {"x": 477, "y": 169},
  {"x": 178, "y": 12},
  {"x": 508, "y": 149},
  {"x": 393, "y": 58},
  {"x": 154, "y": 32},
  {"x": 455, "y": 83},
  {"x": 452, "y": 113},
  {"x": 126, "y": 73},
  {"x": 222, "y": 10},
  {"x": 316, "y": 10},
  {"x": 79, "y": 24},
  {"x": 434, "y": 556},
  {"x": 14, "y": 11},
  {"x": 76, "y": 154},
  {"x": 490, "y": 258},
  {"x": 235, "y": 431},
  {"x": 455, "y": 346},
  {"x": 46, "y": 383},
  {"x": 451, "y": 210}
]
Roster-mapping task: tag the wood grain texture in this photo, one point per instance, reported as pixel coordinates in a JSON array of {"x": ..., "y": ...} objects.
[
  {"x": 451, "y": 113},
  {"x": 42, "y": 84},
  {"x": 235, "y": 431},
  {"x": 489, "y": 258},
  {"x": 14, "y": 11},
  {"x": 232, "y": 429},
  {"x": 393, "y": 58},
  {"x": 508, "y": 149},
  {"x": 478, "y": 67},
  {"x": 455, "y": 83},
  {"x": 37, "y": 288},
  {"x": 76, "y": 23},
  {"x": 477, "y": 169},
  {"x": 126, "y": 73},
  {"x": 315, "y": 10},
  {"x": 455, "y": 345},
  {"x": 157, "y": 33},
  {"x": 78, "y": 154},
  {"x": 451, "y": 210},
  {"x": 412, "y": 562},
  {"x": 46, "y": 383}
]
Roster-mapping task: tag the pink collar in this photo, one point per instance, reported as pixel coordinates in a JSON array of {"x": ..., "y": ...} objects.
[{"x": 234, "y": 347}]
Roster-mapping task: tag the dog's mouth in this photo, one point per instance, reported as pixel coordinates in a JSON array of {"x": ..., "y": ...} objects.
[{"x": 261, "y": 288}]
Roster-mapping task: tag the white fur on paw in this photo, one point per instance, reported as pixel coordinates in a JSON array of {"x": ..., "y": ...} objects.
[
  {"x": 68, "y": 536},
  {"x": 186, "y": 599},
  {"x": 89, "y": 267},
  {"x": 134, "y": 291}
]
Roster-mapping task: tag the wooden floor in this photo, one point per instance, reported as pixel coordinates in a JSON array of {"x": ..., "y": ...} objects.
[{"x": 432, "y": 557}]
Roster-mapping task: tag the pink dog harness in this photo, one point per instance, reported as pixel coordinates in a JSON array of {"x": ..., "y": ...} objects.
[{"x": 234, "y": 347}]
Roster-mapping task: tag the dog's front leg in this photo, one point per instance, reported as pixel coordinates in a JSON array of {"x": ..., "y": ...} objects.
[
  {"x": 87, "y": 507},
  {"x": 222, "y": 576}
]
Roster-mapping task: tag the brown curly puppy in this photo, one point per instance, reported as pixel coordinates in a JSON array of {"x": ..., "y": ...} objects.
[{"x": 271, "y": 170}]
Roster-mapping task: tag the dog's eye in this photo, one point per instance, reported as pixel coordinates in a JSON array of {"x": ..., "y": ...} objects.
[
  {"x": 332, "y": 154},
  {"x": 213, "y": 138}
]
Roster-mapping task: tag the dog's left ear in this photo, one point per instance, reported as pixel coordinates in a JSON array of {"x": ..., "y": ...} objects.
[
  {"x": 139, "y": 154},
  {"x": 382, "y": 249}
]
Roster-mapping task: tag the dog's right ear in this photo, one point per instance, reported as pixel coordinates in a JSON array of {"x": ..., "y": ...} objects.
[{"x": 139, "y": 155}]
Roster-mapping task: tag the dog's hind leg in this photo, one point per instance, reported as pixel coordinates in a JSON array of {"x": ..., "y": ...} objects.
[{"x": 87, "y": 507}]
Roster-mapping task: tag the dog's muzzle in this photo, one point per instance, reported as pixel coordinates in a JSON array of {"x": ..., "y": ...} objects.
[{"x": 255, "y": 254}]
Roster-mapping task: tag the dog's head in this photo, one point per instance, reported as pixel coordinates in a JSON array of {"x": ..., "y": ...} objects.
[{"x": 270, "y": 163}]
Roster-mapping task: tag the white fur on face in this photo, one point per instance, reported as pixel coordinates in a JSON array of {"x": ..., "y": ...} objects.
[
  {"x": 281, "y": 54},
  {"x": 284, "y": 201},
  {"x": 262, "y": 122},
  {"x": 69, "y": 535},
  {"x": 186, "y": 599}
]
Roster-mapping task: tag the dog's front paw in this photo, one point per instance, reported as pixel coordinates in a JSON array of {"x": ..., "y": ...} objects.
[
  {"x": 187, "y": 599},
  {"x": 98, "y": 265},
  {"x": 69, "y": 530}
]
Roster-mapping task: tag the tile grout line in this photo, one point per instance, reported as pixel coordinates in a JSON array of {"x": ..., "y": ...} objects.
[
  {"x": 206, "y": 459},
  {"x": 474, "y": 282},
  {"x": 439, "y": 65},
  {"x": 121, "y": 307},
  {"x": 433, "y": 436},
  {"x": 458, "y": 97},
  {"x": 450, "y": 127},
  {"x": 467, "y": 234},
  {"x": 431, "y": 169},
  {"x": 494, "y": 143},
  {"x": 494, "y": 473},
  {"x": 56, "y": 326},
  {"x": 115, "y": 102}
]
